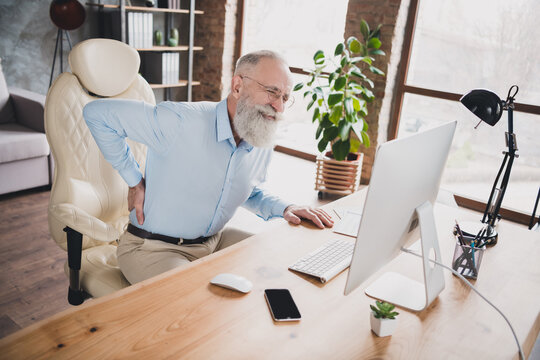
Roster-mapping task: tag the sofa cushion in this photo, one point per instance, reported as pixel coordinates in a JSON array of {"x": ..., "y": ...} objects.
[
  {"x": 6, "y": 108},
  {"x": 18, "y": 142}
]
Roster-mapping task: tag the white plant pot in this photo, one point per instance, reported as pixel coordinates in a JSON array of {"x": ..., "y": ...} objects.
[{"x": 383, "y": 327}]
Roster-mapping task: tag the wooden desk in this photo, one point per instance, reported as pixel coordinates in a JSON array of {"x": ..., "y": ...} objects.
[{"x": 180, "y": 315}]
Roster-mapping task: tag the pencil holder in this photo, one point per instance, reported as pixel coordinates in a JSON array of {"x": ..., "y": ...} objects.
[{"x": 467, "y": 260}]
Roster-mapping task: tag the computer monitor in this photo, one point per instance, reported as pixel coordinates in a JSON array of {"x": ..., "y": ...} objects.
[{"x": 404, "y": 184}]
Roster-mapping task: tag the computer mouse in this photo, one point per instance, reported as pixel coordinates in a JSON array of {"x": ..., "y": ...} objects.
[{"x": 233, "y": 282}]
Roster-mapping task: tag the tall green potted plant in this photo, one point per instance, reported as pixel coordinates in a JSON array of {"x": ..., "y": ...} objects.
[{"x": 339, "y": 92}]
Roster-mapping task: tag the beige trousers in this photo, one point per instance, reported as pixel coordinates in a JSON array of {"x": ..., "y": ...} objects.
[{"x": 140, "y": 259}]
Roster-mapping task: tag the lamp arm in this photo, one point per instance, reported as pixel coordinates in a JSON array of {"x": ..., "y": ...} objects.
[
  {"x": 510, "y": 136},
  {"x": 487, "y": 213},
  {"x": 493, "y": 212}
]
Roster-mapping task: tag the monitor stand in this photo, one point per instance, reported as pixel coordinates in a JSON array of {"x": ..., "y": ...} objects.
[{"x": 407, "y": 293}]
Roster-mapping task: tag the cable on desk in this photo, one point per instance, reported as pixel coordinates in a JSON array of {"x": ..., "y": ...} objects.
[{"x": 521, "y": 356}]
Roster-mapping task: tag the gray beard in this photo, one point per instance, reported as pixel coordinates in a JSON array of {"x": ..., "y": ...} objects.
[{"x": 251, "y": 125}]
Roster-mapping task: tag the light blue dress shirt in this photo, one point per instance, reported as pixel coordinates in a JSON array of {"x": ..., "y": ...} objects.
[{"x": 196, "y": 177}]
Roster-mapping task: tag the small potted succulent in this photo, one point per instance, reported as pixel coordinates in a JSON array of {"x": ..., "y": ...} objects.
[{"x": 383, "y": 318}]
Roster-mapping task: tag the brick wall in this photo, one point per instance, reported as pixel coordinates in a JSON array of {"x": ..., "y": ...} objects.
[
  {"x": 215, "y": 31},
  {"x": 375, "y": 12},
  {"x": 208, "y": 63},
  {"x": 229, "y": 60}
]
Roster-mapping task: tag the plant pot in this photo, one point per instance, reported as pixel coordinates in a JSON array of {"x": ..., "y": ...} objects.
[
  {"x": 382, "y": 327},
  {"x": 338, "y": 177}
]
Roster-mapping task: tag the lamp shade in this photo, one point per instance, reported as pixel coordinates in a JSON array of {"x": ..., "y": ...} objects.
[
  {"x": 67, "y": 14},
  {"x": 485, "y": 104}
]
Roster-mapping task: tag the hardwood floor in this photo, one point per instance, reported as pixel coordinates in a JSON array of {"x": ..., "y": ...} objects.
[{"x": 32, "y": 281}]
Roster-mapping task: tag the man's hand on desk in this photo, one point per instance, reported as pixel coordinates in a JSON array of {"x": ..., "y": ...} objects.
[
  {"x": 319, "y": 217},
  {"x": 136, "y": 200}
]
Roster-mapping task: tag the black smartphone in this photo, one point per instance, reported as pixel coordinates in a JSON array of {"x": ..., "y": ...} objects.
[{"x": 281, "y": 305}]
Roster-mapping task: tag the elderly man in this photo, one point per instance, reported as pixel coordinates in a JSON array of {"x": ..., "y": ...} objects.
[{"x": 204, "y": 160}]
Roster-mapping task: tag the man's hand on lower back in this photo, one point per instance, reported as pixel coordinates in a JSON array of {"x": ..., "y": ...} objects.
[
  {"x": 319, "y": 217},
  {"x": 136, "y": 200}
]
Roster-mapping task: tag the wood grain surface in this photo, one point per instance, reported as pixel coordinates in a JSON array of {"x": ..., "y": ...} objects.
[{"x": 180, "y": 315}]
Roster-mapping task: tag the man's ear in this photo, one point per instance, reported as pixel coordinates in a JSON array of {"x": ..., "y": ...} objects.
[{"x": 236, "y": 86}]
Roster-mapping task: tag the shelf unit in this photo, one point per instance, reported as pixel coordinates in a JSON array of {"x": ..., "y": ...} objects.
[
  {"x": 144, "y": 8},
  {"x": 190, "y": 47},
  {"x": 181, "y": 83}
]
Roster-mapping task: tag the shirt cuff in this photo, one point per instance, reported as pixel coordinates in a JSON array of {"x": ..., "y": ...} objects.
[
  {"x": 131, "y": 176},
  {"x": 279, "y": 207}
]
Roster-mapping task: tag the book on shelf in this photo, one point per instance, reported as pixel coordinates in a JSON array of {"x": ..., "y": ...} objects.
[
  {"x": 142, "y": 30},
  {"x": 169, "y": 4},
  {"x": 149, "y": 32},
  {"x": 161, "y": 67},
  {"x": 131, "y": 29},
  {"x": 139, "y": 28}
]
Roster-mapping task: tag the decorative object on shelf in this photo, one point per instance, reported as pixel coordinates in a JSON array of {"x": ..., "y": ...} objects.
[
  {"x": 383, "y": 318},
  {"x": 486, "y": 105},
  {"x": 158, "y": 37},
  {"x": 66, "y": 15},
  {"x": 150, "y": 3},
  {"x": 173, "y": 37},
  {"x": 339, "y": 98}
]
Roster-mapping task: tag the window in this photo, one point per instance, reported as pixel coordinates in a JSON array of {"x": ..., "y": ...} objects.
[
  {"x": 460, "y": 45},
  {"x": 295, "y": 29}
]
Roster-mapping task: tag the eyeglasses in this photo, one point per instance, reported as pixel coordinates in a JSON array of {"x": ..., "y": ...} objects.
[{"x": 273, "y": 93}]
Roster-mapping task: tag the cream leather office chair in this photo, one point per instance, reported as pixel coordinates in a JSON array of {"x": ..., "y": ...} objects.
[{"x": 88, "y": 205}]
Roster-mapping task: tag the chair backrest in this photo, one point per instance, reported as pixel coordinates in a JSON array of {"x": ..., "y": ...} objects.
[{"x": 82, "y": 177}]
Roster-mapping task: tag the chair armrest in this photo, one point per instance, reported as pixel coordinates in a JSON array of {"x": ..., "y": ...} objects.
[
  {"x": 29, "y": 108},
  {"x": 79, "y": 220}
]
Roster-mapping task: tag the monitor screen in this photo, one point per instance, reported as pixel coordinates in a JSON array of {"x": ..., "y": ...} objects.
[{"x": 404, "y": 183}]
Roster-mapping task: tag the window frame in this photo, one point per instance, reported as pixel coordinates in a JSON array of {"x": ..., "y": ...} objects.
[
  {"x": 311, "y": 156},
  {"x": 403, "y": 88}
]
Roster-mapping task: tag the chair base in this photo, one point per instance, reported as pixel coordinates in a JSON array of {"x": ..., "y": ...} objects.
[{"x": 77, "y": 297}]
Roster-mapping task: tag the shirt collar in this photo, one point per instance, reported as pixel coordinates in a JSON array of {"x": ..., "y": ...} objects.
[{"x": 223, "y": 127}]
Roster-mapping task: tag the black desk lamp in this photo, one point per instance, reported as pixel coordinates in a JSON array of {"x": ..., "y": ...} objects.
[{"x": 488, "y": 107}]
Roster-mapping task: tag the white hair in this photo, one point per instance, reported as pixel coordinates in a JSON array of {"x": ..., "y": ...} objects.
[{"x": 250, "y": 60}]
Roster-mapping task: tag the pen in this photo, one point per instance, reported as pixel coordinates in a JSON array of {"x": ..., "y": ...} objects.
[
  {"x": 473, "y": 261},
  {"x": 478, "y": 238},
  {"x": 460, "y": 234},
  {"x": 479, "y": 235},
  {"x": 483, "y": 241}
]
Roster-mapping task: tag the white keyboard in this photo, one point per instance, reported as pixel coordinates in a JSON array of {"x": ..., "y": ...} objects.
[{"x": 326, "y": 261}]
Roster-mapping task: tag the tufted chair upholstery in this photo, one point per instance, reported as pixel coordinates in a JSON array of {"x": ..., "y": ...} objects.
[{"x": 88, "y": 205}]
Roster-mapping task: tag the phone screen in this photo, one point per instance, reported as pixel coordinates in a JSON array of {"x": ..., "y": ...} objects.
[{"x": 281, "y": 305}]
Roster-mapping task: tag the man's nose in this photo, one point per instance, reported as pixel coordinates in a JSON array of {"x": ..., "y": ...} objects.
[{"x": 278, "y": 104}]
